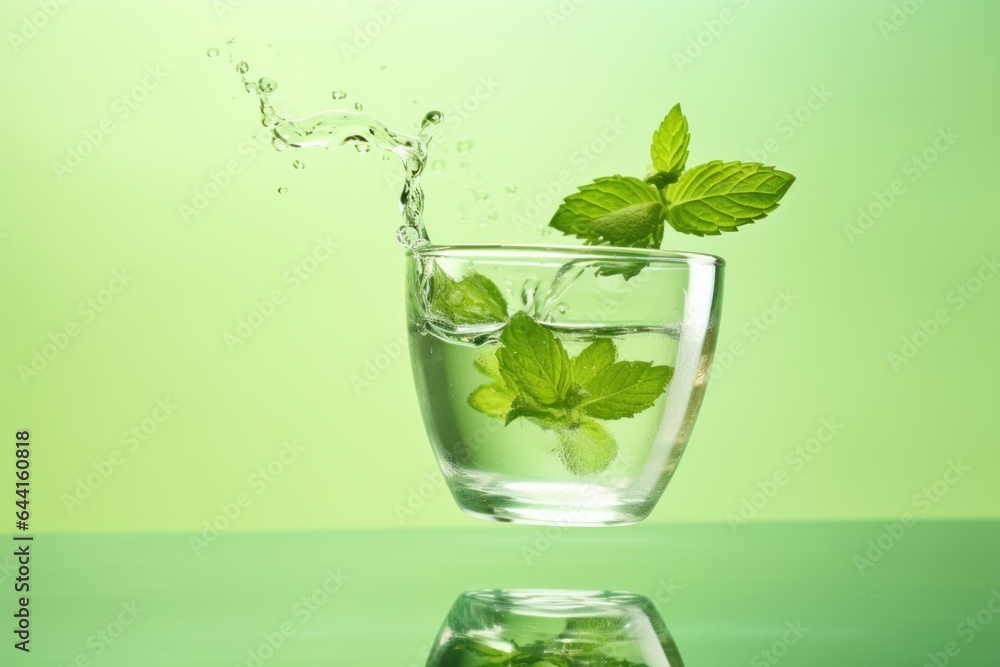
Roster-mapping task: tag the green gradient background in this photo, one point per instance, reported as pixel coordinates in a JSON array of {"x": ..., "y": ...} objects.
[{"x": 364, "y": 447}]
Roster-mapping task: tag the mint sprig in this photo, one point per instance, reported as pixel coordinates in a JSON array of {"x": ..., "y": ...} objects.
[
  {"x": 706, "y": 200},
  {"x": 533, "y": 377}
]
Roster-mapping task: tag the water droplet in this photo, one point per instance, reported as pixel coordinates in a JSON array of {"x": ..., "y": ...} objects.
[
  {"x": 482, "y": 196},
  {"x": 213, "y": 52},
  {"x": 385, "y": 158},
  {"x": 464, "y": 145},
  {"x": 407, "y": 236},
  {"x": 282, "y": 190},
  {"x": 357, "y": 105},
  {"x": 339, "y": 94},
  {"x": 511, "y": 189},
  {"x": 242, "y": 67},
  {"x": 382, "y": 67},
  {"x": 362, "y": 148},
  {"x": 562, "y": 307},
  {"x": 465, "y": 166},
  {"x": 492, "y": 216},
  {"x": 544, "y": 231},
  {"x": 266, "y": 85},
  {"x": 231, "y": 41},
  {"x": 299, "y": 164},
  {"x": 437, "y": 166},
  {"x": 278, "y": 144},
  {"x": 269, "y": 45},
  {"x": 432, "y": 118}
]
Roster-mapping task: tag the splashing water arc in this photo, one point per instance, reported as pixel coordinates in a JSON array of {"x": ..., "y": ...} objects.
[{"x": 335, "y": 128}]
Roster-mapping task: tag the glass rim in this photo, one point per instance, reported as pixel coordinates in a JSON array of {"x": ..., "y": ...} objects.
[
  {"x": 567, "y": 598},
  {"x": 564, "y": 252}
]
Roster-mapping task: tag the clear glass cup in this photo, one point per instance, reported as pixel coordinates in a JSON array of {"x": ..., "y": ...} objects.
[
  {"x": 553, "y": 628},
  {"x": 559, "y": 385}
]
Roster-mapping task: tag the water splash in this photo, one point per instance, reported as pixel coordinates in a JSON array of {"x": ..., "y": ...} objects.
[{"x": 333, "y": 129}]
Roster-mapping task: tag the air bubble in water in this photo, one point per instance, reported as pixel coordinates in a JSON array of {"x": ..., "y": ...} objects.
[
  {"x": 242, "y": 67},
  {"x": 437, "y": 166},
  {"x": 357, "y": 106},
  {"x": 464, "y": 145},
  {"x": 299, "y": 164},
  {"x": 482, "y": 196},
  {"x": 511, "y": 189},
  {"x": 213, "y": 52},
  {"x": 266, "y": 85},
  {"x": 339, "y": 94},
  {"x": 382, "y": 67},
  {"x": 282, "y": 190}
]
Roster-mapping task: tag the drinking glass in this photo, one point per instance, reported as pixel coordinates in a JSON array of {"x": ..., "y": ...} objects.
[
  {"x": 555, "y": 628},
  {"x": 559, "y": 385}
]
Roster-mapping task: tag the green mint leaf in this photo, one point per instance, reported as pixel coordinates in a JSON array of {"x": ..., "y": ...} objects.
[
  {"x": 548, "y": 418},
  {"x": 634, "y": 226},
  {"x": 626, "y": 270},
  {"x": 670, "y": 143},
  {"x": 624, "y": 389},
  {"x": 475, "y": 299},
  {"x": 719, "y": 196},
  {"x": 492, "y": 399},
  {"x": 616, "y": 210},
  {"x": 587, "y": 448},
  {"x": 487, "y": 364},
  {"x": 533, "y": 362},
  {"x": 593, "y": 358}
]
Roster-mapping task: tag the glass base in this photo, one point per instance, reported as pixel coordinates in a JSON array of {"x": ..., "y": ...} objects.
[{"x": 549, "y": 503}]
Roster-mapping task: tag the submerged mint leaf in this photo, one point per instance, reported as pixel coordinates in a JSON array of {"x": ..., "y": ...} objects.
[
  {"x": 532, "y": 377},
  {"x": 719, "y": 196},
  {"x": 624, "y": 389},
  {"x": 587, "y": 447},
  {"x": 593, "y": 358},
  {"x": 475, "y": 299},
  {"x": 533, "y": 362},
  {"x": 493, "y": 399},
  {"x": 616, "y": 210},
  {"x": 487, "y": 364},
  {"x": 549, "y": 418},
  {"x": 670, "y": 144}
]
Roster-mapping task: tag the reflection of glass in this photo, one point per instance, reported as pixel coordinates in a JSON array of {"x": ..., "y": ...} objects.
[
  {"x": 553, "y": 628},
  {"x": 602, "y": 437}
]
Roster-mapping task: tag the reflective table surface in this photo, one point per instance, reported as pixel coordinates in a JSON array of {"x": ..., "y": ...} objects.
[{"x": 762, "y": 594}]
